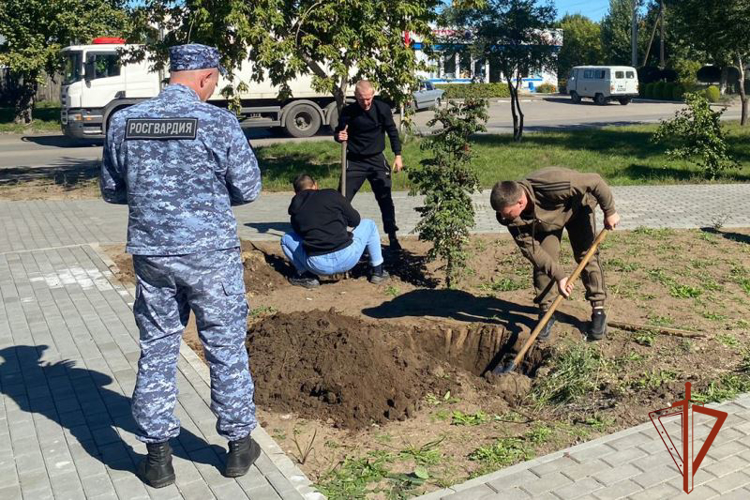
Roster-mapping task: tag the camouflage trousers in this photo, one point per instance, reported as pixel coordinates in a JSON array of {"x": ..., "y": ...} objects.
[
  {"x": 582, "y": 233},
  {"x": 168, "y": 288}
]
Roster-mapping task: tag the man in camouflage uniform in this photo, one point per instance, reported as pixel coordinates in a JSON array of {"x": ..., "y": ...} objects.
[
  {"x": 536, "y": 210},
  {"x": 180, "y": 164}
]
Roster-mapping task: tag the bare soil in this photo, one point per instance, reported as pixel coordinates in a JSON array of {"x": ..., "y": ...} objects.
[{"x": 354, "y": 375}]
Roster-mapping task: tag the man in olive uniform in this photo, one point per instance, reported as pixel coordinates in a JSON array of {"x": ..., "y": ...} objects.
[
  {"x": 363, "y": 125},
  {"x": 180, "y": 164},
  {"x": 535, "y": 210}
]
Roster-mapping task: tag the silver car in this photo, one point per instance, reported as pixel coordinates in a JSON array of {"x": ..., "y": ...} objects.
[{"x": 427, "y": 96}]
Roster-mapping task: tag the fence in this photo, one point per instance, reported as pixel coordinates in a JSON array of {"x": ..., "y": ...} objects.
[{"x": 48, "y": 91}]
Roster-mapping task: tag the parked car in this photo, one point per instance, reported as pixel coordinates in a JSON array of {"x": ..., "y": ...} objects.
[
  {"x": 603, "y": 84},
  {"x": 427, "y": 96}
]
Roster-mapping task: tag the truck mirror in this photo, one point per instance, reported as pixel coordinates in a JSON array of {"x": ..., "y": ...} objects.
[{"x": 89, "y": 68}]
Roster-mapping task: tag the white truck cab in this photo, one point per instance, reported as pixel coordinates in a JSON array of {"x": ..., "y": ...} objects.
[
  {"x": 96, "y": 84},
  {"x": 603, "y": 84}
]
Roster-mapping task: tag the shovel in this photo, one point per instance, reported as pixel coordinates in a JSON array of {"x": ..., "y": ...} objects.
[{"x": 499, "y": 370}]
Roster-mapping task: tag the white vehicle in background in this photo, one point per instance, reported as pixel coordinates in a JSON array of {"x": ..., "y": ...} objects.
[
  {"x": 96, "y": 84},
  {"x": 603, "y": 84}
]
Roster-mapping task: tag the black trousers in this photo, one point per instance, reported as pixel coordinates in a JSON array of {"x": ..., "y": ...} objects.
[{"x": 376, "y": 170}]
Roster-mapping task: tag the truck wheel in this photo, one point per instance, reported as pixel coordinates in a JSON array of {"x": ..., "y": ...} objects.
[
  {"x": 625, "y": 101},
  {"x": 303, "y": 120},
  {"x": 600, "y": 100},
  {"x": 575, "y": 97}
]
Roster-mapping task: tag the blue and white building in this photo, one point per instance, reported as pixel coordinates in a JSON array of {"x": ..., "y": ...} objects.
[{"x": 450, "y": 64}]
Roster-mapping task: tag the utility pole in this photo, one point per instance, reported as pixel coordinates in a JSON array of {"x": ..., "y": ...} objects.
[
  {"x": 634, "y": 35},
  {"x": 663, "y": 7}
]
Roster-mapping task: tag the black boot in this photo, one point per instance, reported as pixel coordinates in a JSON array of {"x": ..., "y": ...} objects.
[
  {"x": 546, "y": 332},
  {"x": 378, "y": 275},
  {"x": 156, "y": 469},
  {"x": 393, "y": 242},
  {"x": 598, "y": 327},
  {"x": 242, "y": 454},
  {"x": 307, "y": 280}
]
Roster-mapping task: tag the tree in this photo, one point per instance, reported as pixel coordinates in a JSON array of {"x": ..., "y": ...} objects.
[
  {"x": 719, "y": 28},
  {"x": 447, "y": 180},
  {"x": 582, "y": 43},
  {"x": 36, "y": 31},
  {"x": 335, "y": 41},
  {"x": 699, "y": 134},
  {"x": 617, "y": 32},
  {"x": 514, "y": 36}
]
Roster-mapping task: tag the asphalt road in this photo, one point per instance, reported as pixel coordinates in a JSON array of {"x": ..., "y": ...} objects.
[{"x": 24, "y": 152}]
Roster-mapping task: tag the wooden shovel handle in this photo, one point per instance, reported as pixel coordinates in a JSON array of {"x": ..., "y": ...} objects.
[
  {"x": 343, "y": 168},
  {"x": 571, "y": 279}
]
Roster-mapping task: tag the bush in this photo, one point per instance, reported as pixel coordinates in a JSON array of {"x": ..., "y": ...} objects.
[
  {"x": 474, "y": 90},
  {"x": 696, "y": 134},
  {"x": 659, "y": 90},
  {"x": 649, "y": 90},
  {"x": 563, "y": 85},
  {"x": 668, "y": 91},
  {"x": 678, "y": 91},
  {"x": 546, "y": 88},
  {"x": 712, "y": 93}
]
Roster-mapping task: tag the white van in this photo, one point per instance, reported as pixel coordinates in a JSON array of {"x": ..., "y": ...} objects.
[{"x": 603, "y": 83}]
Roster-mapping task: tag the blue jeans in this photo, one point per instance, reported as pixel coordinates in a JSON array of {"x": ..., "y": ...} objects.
[{"x": 365, "y": 235}]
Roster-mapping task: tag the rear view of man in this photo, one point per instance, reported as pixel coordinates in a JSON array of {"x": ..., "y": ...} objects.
[
  {"x": 363, "y": 125},
  {"x": 536, "y": 210},
  {"x": 321, "y": 243},
  {"x": 180, "y": 164}
]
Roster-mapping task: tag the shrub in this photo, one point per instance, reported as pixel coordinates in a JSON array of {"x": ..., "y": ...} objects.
[
  {"x": 546, "y": 88},
  {"x": 712, "y": 93},
  {"x": 563, "y": 85},
  {"x": 659, "y": 90},
  {"x": 699, "y": 136},
  {"x": 649, "y": 92},
  {"x": 678, "y": 91},
  {"x": 668, "y": 91},
  {"x": 474, "y": 90}
]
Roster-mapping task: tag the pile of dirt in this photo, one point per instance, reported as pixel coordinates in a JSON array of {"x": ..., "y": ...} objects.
[
  {"x": 352, "y": 373},
  {"x": 264, "y": 271}
]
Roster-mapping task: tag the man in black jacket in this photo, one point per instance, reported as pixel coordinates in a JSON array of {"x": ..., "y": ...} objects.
[
  {"x": 321, "y": 243},
  {"x": 363, "y": 125}
]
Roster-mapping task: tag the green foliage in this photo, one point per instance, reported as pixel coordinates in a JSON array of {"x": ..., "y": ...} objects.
[
  {"x": 469, "y": 419},
  {"x": 649, "y": 92},
  {"x": 352, "y": 478},
  {"x": 503, "y": 452},
  {"x": 512, "y": 35},
  {"x": 447, "y": 180},
  {"x": 504, "y": 285},
  {"x": 712, "y": 93},
  {"x": 616, "y": 32},
  {"x": 645, "y": 338},
  {"x": 37, "y": 30},
  {"x": 729, "y": 386},
  {"x": 687, "y": 71},
  {"x": 684, "y": 291},
  {"x": 700, "y": 136},
  {"x": 678, "y": 91},
  {"x": 659, "y": 90},
  {"x": 546, "y": 88},
  {"x": 336, "y": 42},
  {"x": 474, "y": 90},
  {"x": 574, "y": 375},
  {"x": 582, "y": 44}
]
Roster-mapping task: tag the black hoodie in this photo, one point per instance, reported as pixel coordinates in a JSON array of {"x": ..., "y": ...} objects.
[{"x": 321, "y": 218}]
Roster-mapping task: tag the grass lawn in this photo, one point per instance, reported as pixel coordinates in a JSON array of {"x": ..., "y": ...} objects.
[
  {"x": 46, "y": 118},
  {"x": 622, "y": 155}
]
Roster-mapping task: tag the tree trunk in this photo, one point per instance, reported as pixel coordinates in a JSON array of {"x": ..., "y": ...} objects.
[
  {"x": 513, "y": 98},
  {"x": 23, "y": 100},
  {"x": 723, "y": 81},
  {"x": 743, "y": 96}
]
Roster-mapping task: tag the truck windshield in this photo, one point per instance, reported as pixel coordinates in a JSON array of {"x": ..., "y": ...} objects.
[{"x": 73, "y": 67}]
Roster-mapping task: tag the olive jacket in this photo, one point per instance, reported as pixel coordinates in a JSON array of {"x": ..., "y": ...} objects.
[{"x": 555, "y": 196}]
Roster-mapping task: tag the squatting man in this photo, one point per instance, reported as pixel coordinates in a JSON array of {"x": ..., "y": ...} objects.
[{"x": 536, "y": 210}]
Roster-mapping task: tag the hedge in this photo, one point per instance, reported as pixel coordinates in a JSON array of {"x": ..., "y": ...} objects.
[
  {"x": 546, "y": 88},
  {"x": 659, "y": 90},
  {"x": 712, "y": 93},
  {"x": 475, "y": 90},
  {"x": 678, "y": 91}
]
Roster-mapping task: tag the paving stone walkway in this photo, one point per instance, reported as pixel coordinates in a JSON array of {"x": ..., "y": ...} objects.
[{"x": 69, "y": 351}]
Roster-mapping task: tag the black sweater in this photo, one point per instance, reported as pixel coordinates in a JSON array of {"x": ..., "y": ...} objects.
[
  {"x": 321, "y": 219},
  {"x": 366, "y": 129}
]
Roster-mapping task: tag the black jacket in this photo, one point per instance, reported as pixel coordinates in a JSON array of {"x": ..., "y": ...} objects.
[
  {"x": 321, "y": 219},
  {"x": 366, "y": 129}
]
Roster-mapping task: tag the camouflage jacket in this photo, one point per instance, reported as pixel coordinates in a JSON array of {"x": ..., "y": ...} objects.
[
  {"x": 555, "y": 195},
  {"x": 179, "y": 164}
]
